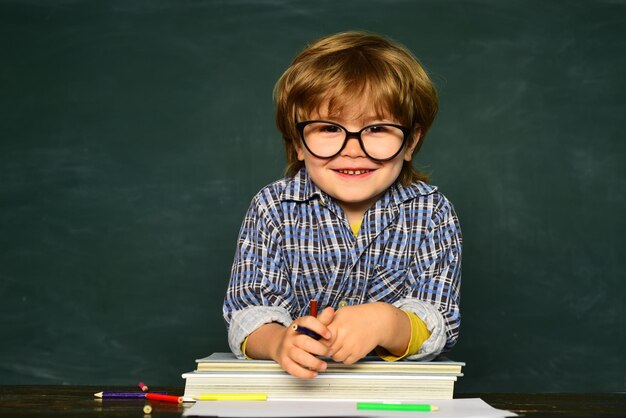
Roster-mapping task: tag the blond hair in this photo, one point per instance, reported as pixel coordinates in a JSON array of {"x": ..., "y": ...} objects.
[{"x": 346, "y": 66}]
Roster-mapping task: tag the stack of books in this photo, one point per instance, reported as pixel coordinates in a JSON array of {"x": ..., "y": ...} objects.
[{"x": 370, "y": 379}]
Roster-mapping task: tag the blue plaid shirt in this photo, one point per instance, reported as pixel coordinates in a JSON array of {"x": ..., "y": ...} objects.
[{"x": 295, "y": 245}]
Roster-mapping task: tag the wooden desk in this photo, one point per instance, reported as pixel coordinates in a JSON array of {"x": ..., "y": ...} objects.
[{"x": 78, "y": 401}]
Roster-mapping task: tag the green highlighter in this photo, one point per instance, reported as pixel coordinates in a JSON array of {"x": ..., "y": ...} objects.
[{"x": 375, "y": 406}]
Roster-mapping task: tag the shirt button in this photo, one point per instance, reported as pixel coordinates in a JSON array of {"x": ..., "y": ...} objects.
[{"x": 343, "y": 303}]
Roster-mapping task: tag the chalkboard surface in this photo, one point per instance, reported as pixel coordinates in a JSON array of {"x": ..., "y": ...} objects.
[{"x": 133, "y": 135}]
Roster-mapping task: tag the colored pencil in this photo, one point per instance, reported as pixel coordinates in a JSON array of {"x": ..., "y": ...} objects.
[
  {"x": 306, "y": 331},
  {"x": 375, "y": 406},
  {"x": 125, "y": 395},
  {"x": 231, "y": 397},
  {"x": 313, "y": 308},
  {"x": 164, "y": 398}
]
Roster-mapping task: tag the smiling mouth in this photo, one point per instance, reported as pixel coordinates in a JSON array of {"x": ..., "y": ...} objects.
[{"x": 353, "y": 172}]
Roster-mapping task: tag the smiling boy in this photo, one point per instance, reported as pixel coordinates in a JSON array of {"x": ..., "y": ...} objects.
[{"x": 353, "y": 225}]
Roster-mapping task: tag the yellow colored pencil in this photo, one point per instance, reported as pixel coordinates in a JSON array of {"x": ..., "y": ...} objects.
[{"x": 231, "y": 397}]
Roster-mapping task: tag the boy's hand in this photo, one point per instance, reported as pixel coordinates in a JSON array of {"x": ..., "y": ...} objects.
[
  {"x": 357, "y": 330},
  {"x": 295, "y": 352}
]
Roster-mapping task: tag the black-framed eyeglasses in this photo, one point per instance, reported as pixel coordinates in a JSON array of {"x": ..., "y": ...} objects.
[{"x": 380, "y": 141}]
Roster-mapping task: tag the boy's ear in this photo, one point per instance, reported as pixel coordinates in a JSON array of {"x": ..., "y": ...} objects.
[
  {"x": 414, "y": 140},
  {"x": 299, "y": 150}
]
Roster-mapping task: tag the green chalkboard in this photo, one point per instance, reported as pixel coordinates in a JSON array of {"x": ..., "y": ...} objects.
[{"x": 133, "y": 135}]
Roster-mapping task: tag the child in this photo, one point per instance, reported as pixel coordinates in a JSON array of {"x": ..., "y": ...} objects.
[{"x": 353, "y": 225}]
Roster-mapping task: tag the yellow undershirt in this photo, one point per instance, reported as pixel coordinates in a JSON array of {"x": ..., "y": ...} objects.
[
  {"x": 419, "y": 334},
  {"x": 355, "y": 227},
  {"x": 243, "y": 348}
]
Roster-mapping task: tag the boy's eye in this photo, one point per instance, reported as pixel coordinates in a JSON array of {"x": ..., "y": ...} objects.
[
  {"x": 329, "y": 128},
  {"x": 376, "y": 129}
]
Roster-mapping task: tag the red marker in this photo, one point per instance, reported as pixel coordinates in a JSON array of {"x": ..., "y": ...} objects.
[
  {"x": 313, "y": 308},
  {"x": 142, "y": 386},
  {"x": 164, "y": 398}
]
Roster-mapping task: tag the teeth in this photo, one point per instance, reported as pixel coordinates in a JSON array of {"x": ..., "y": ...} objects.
[{"x": 353, "y": 172}]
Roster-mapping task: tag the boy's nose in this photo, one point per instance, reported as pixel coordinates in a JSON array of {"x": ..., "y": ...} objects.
[{"x": 353, "y": 148}]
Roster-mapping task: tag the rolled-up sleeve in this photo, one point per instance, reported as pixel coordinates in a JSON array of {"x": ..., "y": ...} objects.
[
  {"x": 258, "y": 291},
  {"x": 435, "y": 289}
]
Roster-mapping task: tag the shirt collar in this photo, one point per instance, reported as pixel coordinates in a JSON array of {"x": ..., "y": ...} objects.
[{"x": 301, "y": 188}]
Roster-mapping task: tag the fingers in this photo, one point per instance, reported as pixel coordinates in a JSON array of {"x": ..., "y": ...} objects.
[
  {"x": 295, "y": 369},
  {"x": 299, "y": 351},
  {"x": 345, "y": 357},
  {"x": 298, "y": 355},
  {"x": 309, "y": 344},
  {"x": 315, "y": 325},
  {"x": 326, "y": 316},
  {"x": 305, "y": 356}
]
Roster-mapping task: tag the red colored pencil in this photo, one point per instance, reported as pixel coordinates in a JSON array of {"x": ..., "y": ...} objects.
[
  {"x": 313, "y": 308},
  {"x": 165, "y": 398}
]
